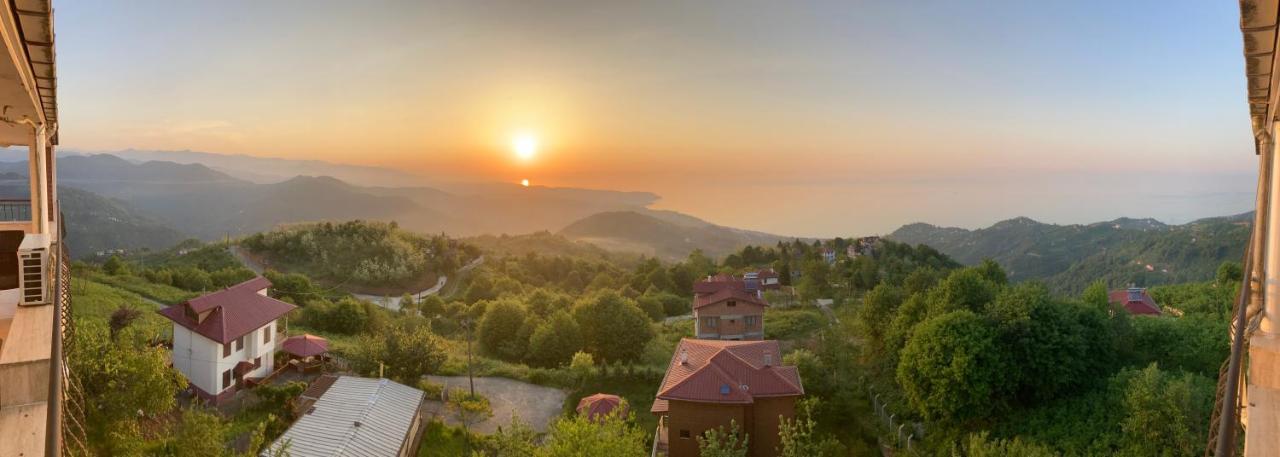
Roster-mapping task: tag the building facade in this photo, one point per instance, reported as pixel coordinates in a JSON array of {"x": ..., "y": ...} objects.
[
  {"x": 715, "y": 384},
  {"x": 224, "y": 339}
]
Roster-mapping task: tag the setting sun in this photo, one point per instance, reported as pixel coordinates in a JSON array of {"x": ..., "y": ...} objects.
[
  {"x": 525, "y": 145},
  {"x": 524, "y": 182}
]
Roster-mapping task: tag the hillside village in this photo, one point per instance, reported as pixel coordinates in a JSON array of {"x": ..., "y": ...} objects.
[{"x": 623, "y": 352}]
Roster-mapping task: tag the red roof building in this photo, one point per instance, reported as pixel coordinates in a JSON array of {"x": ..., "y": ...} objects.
[
  {"x": 1136, "y": 300},
  {"x": 225, "y": 337},
  {"x": 709, "y": 384}
]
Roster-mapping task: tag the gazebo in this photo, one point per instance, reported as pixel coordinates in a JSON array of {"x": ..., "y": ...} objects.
[
  {"x": 601, "y": 405},
  {"x": 308, "y": 351}
]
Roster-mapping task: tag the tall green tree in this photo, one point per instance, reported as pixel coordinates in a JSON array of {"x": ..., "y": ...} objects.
[
  {"x": 499, "y": 330},
  {"x": 952, "y": 369},
  {"x": 613, "y": 327},
  {"x": 555, "y": 342}
]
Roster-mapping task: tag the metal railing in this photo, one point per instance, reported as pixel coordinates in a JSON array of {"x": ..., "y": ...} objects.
[
  {"x": 15, "y": 210},
  {"x": 64, "y": 432}
]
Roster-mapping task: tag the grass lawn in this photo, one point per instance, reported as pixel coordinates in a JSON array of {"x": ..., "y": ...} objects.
[
  {"x": 440, "y": 440},
  {"x": 96, "y": 301},
  {"x": 162, "y": 293}
]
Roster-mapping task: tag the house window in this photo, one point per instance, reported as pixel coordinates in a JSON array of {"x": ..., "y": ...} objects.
[
  {"x": 711, "y": 322},
  {"x": 226, "y": 379},
  {"x": 732, "y": 303},
  {"x": 226, "y": 349},
  {"x": 257, "y": 362},
  {"x": 751, "y": 321},
  {"x": 266, "y": 334},
  {"x": 239, "y": 343},
  {"x": 684, "y": 434}
]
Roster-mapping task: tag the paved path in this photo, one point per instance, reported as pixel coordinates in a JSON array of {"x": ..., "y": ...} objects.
[
  {"x": 393, "y": 302},
  {"x": 536, "y": 405}
]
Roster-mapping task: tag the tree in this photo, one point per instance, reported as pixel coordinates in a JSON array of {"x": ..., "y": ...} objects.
[
  {"x": 878, "y": 307},
  {"x": 555, "y": 342},
  {"x": 613, "y": 327},
  {"x": 582, "y": 366},
  {"x": 514, "y": 440},
  {"x": 578, "y": 436},
  {"x": 348, "y": 316},
  {"x": 407, "y": 305},
  {"x": 964, "y": 289},
  {"x": 469, "y": 409},
  {"x": 991, "y": 271},
  {"x": 1048, "y": 345},
  {"x": 122, "y": 379},
  {"x": 1165, "y": 415},
  {"x": 718, "y": 442},
  {"x": 115, "y": 267},
  {"x": 952, "y": 369},
  {"x": 1229, "y": 274},
  {"x": 797, "y": 438},
  {"x": 199, "y": 435},
  {"x": 651, "y": 304},
  {"x": 431, "y": 306},
  {"x": 406, "y": 351},
  {"x": 499, "y": 329}
]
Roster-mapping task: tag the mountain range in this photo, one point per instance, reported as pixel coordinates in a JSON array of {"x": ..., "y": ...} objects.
[
  {"x": 118, "y": 203},
  {"x": 1069, "y": 257}
]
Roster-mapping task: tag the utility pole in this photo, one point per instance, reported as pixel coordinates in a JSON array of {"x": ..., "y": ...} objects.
[{"x": 470, "y": 373}]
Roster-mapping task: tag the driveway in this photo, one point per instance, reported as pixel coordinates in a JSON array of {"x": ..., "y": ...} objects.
[{"x": 535, "y": 405}]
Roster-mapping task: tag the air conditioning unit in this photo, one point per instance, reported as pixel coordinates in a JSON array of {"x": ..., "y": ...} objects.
[{"x": 33, "y": 275}]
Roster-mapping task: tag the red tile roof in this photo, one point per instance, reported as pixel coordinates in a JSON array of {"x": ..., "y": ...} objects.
[
  {"x": 1136, "y": 300},
  {"x": 727, "y": 294},
  {"x": 718, "y": 283},
  {"x": 712, "y": 371},
  {"x": 599, "y": 405},
  {"x": 234, "y": 311}
]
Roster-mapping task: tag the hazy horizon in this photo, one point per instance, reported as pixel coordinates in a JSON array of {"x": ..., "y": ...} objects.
[{"x": 830, "y": 119}]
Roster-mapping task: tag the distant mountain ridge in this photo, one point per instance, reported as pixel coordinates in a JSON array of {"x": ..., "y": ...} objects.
[
  {"x": 662, "y": 234},
  {"x": 1069, "y": 257}
]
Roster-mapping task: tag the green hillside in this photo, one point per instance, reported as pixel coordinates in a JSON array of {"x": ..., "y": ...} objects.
[
  {"x": 360, "y": 255},
  {"x": 1070, "y": 257}
]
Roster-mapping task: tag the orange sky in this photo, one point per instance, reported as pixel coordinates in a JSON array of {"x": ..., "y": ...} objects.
[{"x": 689, "y": 101}]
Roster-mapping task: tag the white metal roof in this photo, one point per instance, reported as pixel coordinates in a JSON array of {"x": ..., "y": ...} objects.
[{"x": 355, "y": 417}]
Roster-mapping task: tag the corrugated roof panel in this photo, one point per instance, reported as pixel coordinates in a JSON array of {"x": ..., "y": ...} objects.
[{"x": 383, "y": 409}]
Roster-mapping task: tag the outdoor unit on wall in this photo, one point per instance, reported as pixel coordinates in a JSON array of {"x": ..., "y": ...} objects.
[{"x": 33, "y": 270}]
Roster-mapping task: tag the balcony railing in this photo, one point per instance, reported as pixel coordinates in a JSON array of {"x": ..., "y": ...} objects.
[{"x": 15, "y": 210}]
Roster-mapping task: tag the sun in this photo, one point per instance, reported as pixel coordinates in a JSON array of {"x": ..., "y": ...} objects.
[
  {"x": 524, "y": 182},
  {"x": 525, "y": 145}
]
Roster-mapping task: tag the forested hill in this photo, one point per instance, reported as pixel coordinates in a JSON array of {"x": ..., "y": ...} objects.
[
  {"x": 662, "y": 234},
  {"x": 1069, "y": 257}
]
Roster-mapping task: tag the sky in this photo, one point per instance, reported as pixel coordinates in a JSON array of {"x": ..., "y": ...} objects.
[{"x": 799, "y": 118}]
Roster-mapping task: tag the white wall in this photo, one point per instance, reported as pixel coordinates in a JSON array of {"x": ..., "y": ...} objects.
[{"x": 200, "y": 359}]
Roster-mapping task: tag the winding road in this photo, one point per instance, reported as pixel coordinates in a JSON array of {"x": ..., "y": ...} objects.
[{"x": 388, "y": 302}]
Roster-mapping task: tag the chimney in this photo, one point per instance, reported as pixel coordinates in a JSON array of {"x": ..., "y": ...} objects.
[
  {"x": 768, "y": 358},
  {"x": 684, "y": 356}
]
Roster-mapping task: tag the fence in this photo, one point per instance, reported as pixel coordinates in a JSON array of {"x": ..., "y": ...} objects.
[{"x": 905, "y": 434}]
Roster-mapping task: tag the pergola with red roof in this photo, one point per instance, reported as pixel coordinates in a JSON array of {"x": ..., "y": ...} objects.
[{"x": 601, "y": 405}]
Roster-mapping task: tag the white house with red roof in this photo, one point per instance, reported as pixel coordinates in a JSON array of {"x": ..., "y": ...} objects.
[
  {"x": 709, "y": 384},
  {"x": 222, "y": 339}
]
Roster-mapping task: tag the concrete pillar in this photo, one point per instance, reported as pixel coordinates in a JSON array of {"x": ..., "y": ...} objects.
[{"x": 1269, "y": 325}]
